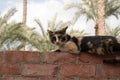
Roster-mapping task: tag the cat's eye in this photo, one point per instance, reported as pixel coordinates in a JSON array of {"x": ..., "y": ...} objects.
[
  {"x": 53, "y": 39},
  {"x": 63, "y": 38},
  {"x": 59, "y": 37}
]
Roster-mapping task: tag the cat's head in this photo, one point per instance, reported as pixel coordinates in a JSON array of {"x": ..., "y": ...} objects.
[{"x": 59, "y": 37}]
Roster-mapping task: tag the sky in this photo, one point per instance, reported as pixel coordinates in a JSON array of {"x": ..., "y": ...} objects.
[{"x": 45, "y": 10}]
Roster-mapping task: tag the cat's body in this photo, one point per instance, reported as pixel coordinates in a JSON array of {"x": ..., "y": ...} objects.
[
  {"x": 108, "y": 43},
  {"x": 100, "y": 45}
]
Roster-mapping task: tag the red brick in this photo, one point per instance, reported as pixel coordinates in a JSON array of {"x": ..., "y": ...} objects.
[
  {"x": 31, "y": 57},
  {"x": 51, "y": 78},
  {"x": 110, "y": 70},
  {"x": 96, "y": 79},
  {"x": 1, "y": 78},
  {"x": 37, "y": 69},
  {"x": 14, "y": 56},
  {"x": 59, "y": 58},
  {"x": 78, "y": 70},
  {"x": 20, "y": 78},
  {"x": 9, "y": 69},
  {"x": 22, "y": 56},
  {"x": 1, "y": 56},
  {"x": 94, "y": 58},
  {"x": 67, "y": 79},
  {"x": 90, "y": 58}
]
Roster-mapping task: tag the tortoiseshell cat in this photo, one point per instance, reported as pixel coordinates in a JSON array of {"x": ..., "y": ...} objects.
[{"x": 100, "y": 45}]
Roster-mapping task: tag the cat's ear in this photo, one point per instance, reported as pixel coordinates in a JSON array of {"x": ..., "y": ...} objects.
[
  {"x": 50, "y": 32},
  {"x": 64, "y": 29}
]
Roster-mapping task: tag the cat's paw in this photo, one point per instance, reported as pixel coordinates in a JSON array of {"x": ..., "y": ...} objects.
[
  {"x": 75, "y": 52},
  {"x": 58, "y": 50}
]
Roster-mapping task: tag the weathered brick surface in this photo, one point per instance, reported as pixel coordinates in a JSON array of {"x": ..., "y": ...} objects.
[
  {"x": 52, "y": 78},
  {"x": 15, "y": 56},
  {"x": 59, "y": 58},
  {"x": 78, "y": 70},
  {"x": 110, "y": 70},
  {"x": 1, "y": 78},
  {"x": 90, "y": 58},
  {"x": 1, "y": 57},
  {"x": 9, "y": 69},
  {"x": 21, "y": 78},
  {"x": 26, "y": 65},
  {"x": 94, "y": 58},
  {"x": 97, "y": 79},
  {"x": 31, "y": 57},
  {"x": 37, "y": 70}
]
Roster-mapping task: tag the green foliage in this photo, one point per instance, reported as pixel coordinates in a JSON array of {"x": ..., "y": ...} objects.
[
  {"x": 41, "y": 41},
  {"x": 112, "y": 8},
  {"x": 41, "y": 27},
  {"x": 77, "y": 33},
  {"x": 44, "y": 43},
  {"x": 54, "y": 25},
  {"x": 12, "y": 33},
  {"x": 113, "y": 31},
  {"x": 89, "y": 8},
  {"x": 7, "y": 16},
  {"x": 5, "y": 28}
]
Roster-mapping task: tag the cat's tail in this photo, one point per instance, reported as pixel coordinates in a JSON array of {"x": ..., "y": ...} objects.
[{"x": 113, "y": 61}]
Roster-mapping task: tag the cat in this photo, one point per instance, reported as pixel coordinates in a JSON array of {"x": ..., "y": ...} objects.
[
  {"x": 64, "y": 41},
  {"x": 100, "y": 45}
]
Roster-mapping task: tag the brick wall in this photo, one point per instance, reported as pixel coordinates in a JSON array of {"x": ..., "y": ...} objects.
[{"x": 25, "y": 65}]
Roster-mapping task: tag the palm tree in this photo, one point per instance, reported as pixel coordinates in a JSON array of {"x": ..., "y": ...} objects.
[
  {"x": 4, "y": 23},
  {"x": 8, "y": 31},
  {"x": 101, "y": 17},
  {"x": 12, "y": 35},
  {"x": 24, "y": 11},
  {"x": 89, "y": 8},
  {"x": 6, "y": 17},
  {"x": 24, "y": 20}
]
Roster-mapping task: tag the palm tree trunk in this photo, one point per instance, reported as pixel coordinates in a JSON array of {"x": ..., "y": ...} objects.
[
  {"x": 101, "y": 18},
  {"x": 24, "y": 20},
  {"x": 24, "y": 11},
  {"x": 96, "y": 29}
]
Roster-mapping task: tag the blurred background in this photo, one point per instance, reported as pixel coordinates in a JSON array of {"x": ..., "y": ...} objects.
[{"x": 24, "y": 23}]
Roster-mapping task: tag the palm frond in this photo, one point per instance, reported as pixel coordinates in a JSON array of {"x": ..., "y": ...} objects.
[
  {"x": 41, "y": 27},
  {"x": 77, "y": 33},
  {"x": 7, "y": 16},
  {"x": 112, "y": 8},
  {"x": 89, "y": 8},
  {"x": 113, "y": 31}
]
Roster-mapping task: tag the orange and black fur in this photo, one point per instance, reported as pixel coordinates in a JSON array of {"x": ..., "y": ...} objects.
[{"x": 100, "y": 45}]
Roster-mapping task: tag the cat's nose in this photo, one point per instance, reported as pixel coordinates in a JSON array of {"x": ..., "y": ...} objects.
[{"x": 57, "y": 43}]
